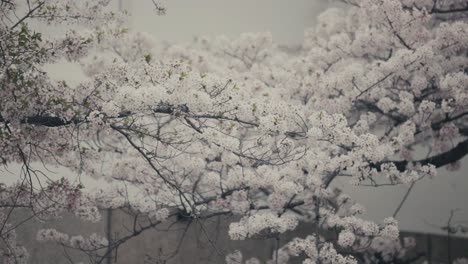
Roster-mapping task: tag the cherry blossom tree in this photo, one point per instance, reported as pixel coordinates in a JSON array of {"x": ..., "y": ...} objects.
[{"x": 244, "y": 128}]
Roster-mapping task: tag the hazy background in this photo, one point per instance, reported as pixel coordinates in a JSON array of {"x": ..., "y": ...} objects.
[
  {"x": 286, "y": 20},
  {"x": 429, "y": 204}
]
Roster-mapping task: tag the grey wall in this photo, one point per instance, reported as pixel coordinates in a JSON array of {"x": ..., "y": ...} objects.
[
  {"x": 194, "y": 242},
  {"x": 428, "y": 205}
]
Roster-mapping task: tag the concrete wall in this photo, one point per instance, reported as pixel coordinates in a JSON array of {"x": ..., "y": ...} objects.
[{"x": 195, "y": 241}]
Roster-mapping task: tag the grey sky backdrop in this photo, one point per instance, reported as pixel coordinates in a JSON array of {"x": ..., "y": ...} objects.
[
  {"x": 188, "y": 18},
  {"x": 429, "y": 204}
]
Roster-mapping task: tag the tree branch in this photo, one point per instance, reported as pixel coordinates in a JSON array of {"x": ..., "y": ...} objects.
[
  {"x": 27, "y": 15},
  {"x": 442, "y": 159},
  {"x": 448, "y": 11},
  {"x": 54, "y": 121}
]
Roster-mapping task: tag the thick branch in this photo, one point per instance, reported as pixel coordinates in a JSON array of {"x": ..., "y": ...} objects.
[
  {"x": 449, "y": 11},
  {"x": 451, "y": 156},
  {"x": 53, "y": 121}
]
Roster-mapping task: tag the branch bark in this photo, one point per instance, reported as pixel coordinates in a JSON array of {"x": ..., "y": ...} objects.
[{"x": 440, "y": 160}]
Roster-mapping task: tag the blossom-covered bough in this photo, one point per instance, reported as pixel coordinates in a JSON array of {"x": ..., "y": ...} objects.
[{"x": 243, "y": 128}]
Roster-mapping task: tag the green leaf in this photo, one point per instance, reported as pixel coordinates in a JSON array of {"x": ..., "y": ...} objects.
[{"x": 148, "y": 58}]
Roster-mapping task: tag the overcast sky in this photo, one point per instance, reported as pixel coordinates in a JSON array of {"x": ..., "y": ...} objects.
[{"x": 186, "y": 19}]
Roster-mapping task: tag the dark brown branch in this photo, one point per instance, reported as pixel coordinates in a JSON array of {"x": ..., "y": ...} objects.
[
  {"x": 27, "y": 15},
  {"x": 54, "y": 121},
  {"x": 372, "y": 86},
  {"x": 438, "y": 125},
  {"x": 402, "y": 202},
  {"x": 448, "y": 11},
  {"x": 48, "y": 121},
  {"x": 451, "y": 156}
]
